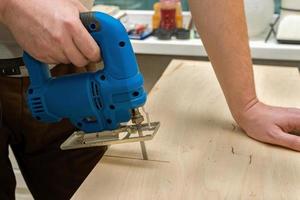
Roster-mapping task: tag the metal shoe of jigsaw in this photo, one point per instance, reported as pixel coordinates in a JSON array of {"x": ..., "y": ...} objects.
[
  {"x": 97, "y": 103},
  {"x": 136, "y": 132}
]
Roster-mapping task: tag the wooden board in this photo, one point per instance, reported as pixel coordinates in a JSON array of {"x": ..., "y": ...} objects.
[{"x": 199, "y": 153}]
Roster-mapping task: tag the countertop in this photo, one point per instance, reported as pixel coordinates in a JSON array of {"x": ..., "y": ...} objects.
[{"x": 199, "y": 151}]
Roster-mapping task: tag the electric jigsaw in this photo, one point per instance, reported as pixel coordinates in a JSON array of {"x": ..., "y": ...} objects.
[{"x": 105, "y": 105}]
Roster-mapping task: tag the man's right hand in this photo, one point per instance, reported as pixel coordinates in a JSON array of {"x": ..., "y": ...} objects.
[{"x": 50, "y": 30}]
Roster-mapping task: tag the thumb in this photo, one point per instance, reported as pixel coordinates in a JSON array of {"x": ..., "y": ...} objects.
[
  {"x": 292, "y": 123},
  {"x": 284, "y": 139}
]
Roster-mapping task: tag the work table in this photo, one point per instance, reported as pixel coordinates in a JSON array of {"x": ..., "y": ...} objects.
[{"x": 199, "y": 152}]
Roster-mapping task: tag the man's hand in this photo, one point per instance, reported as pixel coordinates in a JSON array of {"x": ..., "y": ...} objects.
[
  {"x": 272, "y": 124},
  {"x": 222, "y": 26},
  {"x": 50, "y": 30}
]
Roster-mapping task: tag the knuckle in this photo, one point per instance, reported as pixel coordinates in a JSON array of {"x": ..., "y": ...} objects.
[
  {"x": 272, "y": 135},
  {"x": 58, "y": 38},
  {"x": 69, "y": 23}
]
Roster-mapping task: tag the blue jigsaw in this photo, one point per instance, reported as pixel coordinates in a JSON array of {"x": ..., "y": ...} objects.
[{"x": 97, "y": 103}]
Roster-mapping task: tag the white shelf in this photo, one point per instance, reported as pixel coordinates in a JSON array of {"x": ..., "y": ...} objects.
[{"x": 194, "y": 47}]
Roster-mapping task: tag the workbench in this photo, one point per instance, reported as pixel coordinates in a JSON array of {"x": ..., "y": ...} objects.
[{"x": 199, "y": 151}]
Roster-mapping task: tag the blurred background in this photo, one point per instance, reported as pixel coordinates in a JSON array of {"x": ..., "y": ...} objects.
[{"x": 148, "y": 4}]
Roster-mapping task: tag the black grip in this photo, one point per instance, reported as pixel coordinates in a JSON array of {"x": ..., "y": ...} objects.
[{"x": 89, "y": 21}]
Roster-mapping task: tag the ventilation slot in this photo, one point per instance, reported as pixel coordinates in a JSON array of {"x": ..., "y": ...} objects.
[
  {"x": 96, "y": 95},
  {"x": 37, "y": 106}
]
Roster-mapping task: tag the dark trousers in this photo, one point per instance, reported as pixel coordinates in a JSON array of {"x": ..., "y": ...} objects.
[{"x": 49, "y": 172}]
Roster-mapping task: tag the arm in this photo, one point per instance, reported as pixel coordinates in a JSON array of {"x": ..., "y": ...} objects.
[
  {"x": 50, "y": 30},
  {"x": 223, "y": 30}
]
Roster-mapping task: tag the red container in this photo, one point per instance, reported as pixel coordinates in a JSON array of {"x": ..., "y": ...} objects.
[{"x": 168, "y": 18}]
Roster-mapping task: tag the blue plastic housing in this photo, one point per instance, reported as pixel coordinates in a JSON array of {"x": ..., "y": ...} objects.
[{"x": 91, "y": 101}]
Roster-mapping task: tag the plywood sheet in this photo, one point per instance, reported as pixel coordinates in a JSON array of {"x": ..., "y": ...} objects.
[{"x": 199, "y": 153}]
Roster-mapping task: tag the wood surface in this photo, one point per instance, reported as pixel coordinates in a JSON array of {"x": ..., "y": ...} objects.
[{"x": 199, "y": 152}]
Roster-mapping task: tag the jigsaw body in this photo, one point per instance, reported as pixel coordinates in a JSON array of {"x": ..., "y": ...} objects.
[{"x": 93, "y": 102}]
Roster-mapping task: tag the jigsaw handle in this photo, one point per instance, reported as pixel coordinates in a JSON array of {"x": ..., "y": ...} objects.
[
  {"x": 112, "y": 38},
  {"x": 38, "y": 72}
]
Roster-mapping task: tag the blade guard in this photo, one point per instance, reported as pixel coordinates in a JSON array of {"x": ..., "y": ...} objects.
[{"x": 120, "y": 67}]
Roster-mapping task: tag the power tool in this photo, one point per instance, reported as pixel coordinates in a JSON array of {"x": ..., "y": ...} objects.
[{"x": 100, "y": 104}]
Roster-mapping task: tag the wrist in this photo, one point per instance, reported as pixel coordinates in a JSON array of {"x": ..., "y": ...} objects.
[{"x": 241, "y": 114}]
